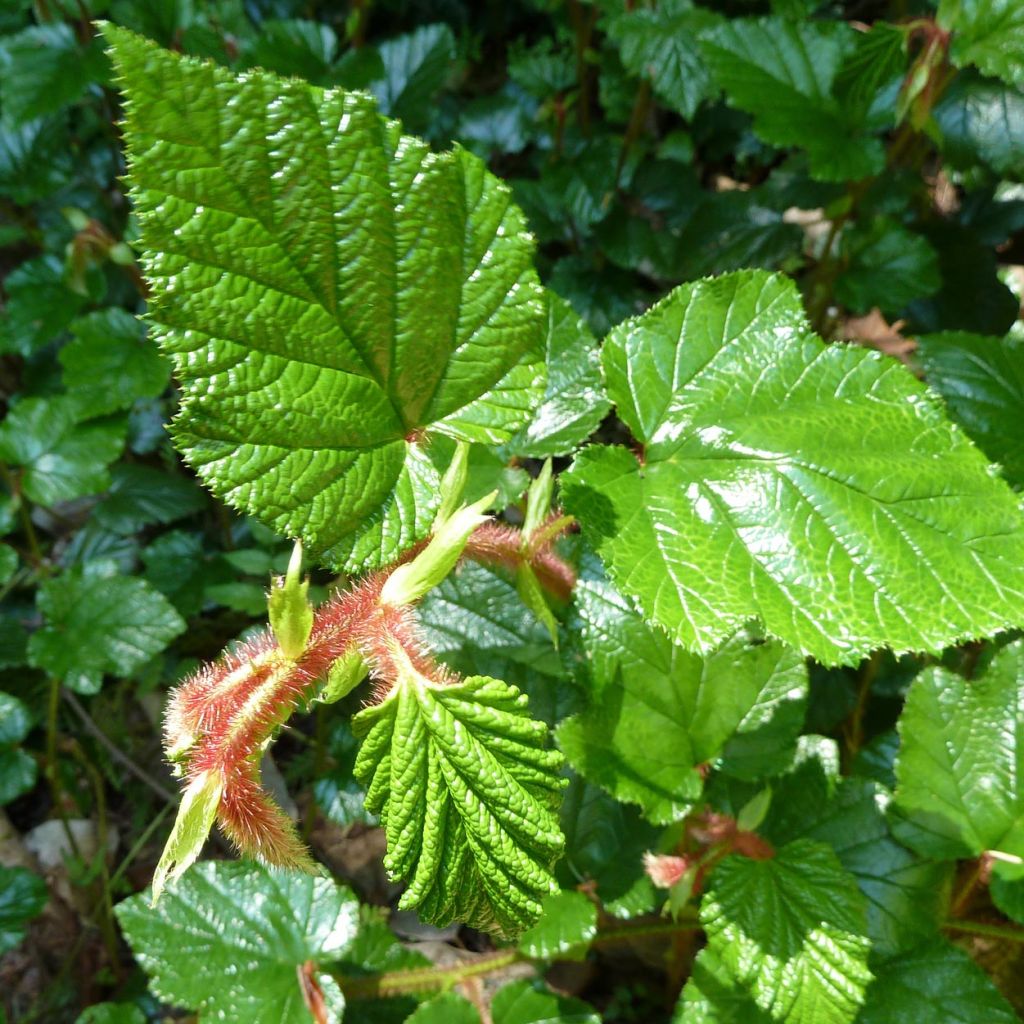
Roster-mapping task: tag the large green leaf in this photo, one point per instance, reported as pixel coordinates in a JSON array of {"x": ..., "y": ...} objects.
[
  {"x": 466, "y": 789},
  {"x": 566, "y": 927},
  {"x": 988, "y": 34},
  {"x": 331, "y": 292},
  {"x": 659, "y": 712},
  {"x": 791, "y": 931},
  {"x": 98, "y": 623},
  {"x": 782, "y": 72},
  {"x": 982, "y": 381},
  {"x": 936, "y": 982},
  {"x": 960, "y": 771},
  {"x": 228, "y": 939},
  {"x": 713, "y": 996},
  {"x": 415, "y": 67},
  {"x": 660, "y": 45},
  {"x": 819, "y": 489},
  {"x": 526, "y": 1003}
]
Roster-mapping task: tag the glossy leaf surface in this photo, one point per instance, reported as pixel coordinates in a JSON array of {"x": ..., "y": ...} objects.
[
  {"x": 329, "y": 290},
  {"x": 821, "y": 490}
]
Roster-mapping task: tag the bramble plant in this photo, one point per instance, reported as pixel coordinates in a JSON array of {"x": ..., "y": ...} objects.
[{"x": 705, "y": 635}]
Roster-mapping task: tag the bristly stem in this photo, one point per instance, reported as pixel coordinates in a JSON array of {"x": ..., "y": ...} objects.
[{"x": 428, "y": 979}]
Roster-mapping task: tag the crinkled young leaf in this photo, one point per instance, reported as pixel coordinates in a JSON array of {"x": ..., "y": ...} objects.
[
  {"x": 330, "y": 290},
  {"x": 466, "y": 789},
  {"x": 97, "y": 624},
  {"x": 228, "y": 939},
  {"x": 661, "y": 711},
  {"x": 61, "y": 457},
  {"x": 782, "y": 72},
  {"x": 820, "y": 489},
  {"x": 936, "y": 982},
  {"x": 110, "y": 363},
  {"x": 982, "y": 381},
  {"x": 960, "y": 770},
  {"x": 660, "y": 46},
  {"x": 982, "y": 120},
  {"x": 791, "y": 931},
  {"x": 574, "y": 401},
  {"x": 567, "y": 924},
  {"x": 988, "y": 34},
  {"x": 22, "y": 896}
]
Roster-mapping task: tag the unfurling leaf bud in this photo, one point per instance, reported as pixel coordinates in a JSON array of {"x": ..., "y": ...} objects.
[{"x": 291, "y": 614}]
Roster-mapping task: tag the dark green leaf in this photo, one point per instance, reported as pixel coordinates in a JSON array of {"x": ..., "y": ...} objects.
[
  {"x": 782, "y": 72},
  {"x": 933, "y": 983},
  {"x": 713, "y": 996},
  {"x": 349, "y": 335},
  {"x": 567, "y": 924},
  {"x": 98, "y": 624},
  {"x": 140, "y": 495},
  {"x": 982, "y": 381},
  {"x": 982, "y": 120},
  {"x": 39, "y": 305},
  {"x": 415, "y": 68},
  {"x": 960, "y": 788},
  {"x": 526, "y": 1003},
  {"x": 791, "y": 931},
  {"x": 886, "y": 266}
]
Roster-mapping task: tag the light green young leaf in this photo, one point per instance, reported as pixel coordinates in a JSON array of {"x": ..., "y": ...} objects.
[
  {"x": 228, "y": 939},
  {"x": 988, "y": 34},
  {"x": 660, "y": 46},
  {"x": 110, "y": 363},
  {"x": 960, "y": 770},
  {"x": 982, "y": 381},
  {"x": 886, "y": 266},
  {"x": 819, "y": 489},
  {"x": 330, "y": 297},
  {"x": 466, "y": 790},
  {"x": 22, "y": 896},
  {"x": 782, "y": 72},
  {"x": 791, "y": 931},
  {"x": 61, "y": 457},
  {"x": 567, "y": 924},
  {"x": 97, "y": 624},
  {"x": 934, "y": 982},
  {"x": 664, "y": 711},
  {"x": 1008, "y": 896},
  {"x": 575, "y": 401}
]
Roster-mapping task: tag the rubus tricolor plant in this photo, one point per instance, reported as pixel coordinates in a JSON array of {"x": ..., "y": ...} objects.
[{"x": 363, "y": 346}]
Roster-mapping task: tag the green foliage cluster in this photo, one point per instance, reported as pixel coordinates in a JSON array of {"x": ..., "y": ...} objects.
[{"x": 715, "y": 308}]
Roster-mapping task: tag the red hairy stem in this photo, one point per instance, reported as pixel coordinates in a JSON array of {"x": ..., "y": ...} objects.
[{"x": 505, "y": 546}]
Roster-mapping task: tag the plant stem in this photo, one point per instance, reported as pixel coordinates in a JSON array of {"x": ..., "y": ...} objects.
[
  {"x": 995, "y": 931},
  {"x": 425, "y": 979}
]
